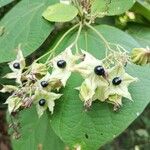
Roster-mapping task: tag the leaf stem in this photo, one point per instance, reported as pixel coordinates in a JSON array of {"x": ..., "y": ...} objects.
[
  {"x": 77, "y": 37},
  {"x": 57, "y": 44},
  {"x": 100, "y": 35}
]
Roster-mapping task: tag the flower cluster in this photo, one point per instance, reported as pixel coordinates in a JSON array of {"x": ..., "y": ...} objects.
[
  {"x": 35, "y": 84},
  {"x": 40, "y": 83},
  {"x": 102, "y": 83}
]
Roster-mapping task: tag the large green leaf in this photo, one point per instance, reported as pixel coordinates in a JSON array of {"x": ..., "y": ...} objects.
[
  {"x": 36, "y": 132},
  {"x": 143, "y": 8},
  {"x": 119, "y": 6},
  {"x": 24, "y": 25},
  {"x": 60, "y": 13},
  {"x": 113, "y": 7},
  {"x": 141, "y": 34},
  {"x": 4, "y": 2},
  {"x": 100, "y": 124}
]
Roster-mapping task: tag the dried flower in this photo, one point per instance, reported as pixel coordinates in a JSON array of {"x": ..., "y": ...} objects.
[
  {"x": 140, "y": 56},
  {"x": 14, "y": 103}
]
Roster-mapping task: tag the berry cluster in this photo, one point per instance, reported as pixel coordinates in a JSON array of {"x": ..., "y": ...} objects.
[
  {"x": 103, "y": 83},
  {"x": 37, "y": 85}
]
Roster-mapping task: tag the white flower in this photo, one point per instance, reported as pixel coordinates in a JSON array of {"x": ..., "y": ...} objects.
[
  {"x": 94, "y": 74},
  {"x": 38, "y": 69},
  {"x": 62, "y": 65},
  {"x": 119, "y": 82},
  {"x": 17, "y": 67},
  {"x": 87, "y": 66},
  {"x": 44, "y": 100},
  {"x": 49, "y": 83}
]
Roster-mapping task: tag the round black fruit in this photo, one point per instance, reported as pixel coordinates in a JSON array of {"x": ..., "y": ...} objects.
[
  {"x": 16, "y": 65},
  {"x": 99, "y": 70},
  {"x": 42, "y": 102},
  {"x": 116, "y": 81},
  {"x": 44, "y": 83},
  {"x": 61, "y": 64}
]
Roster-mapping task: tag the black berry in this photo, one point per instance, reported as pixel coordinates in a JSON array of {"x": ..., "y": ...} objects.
[
  {"x": 99, "y": 70},
  {"x": 116, "y": 81},
  {"x": 42, "y": 102},
  {"x": 16, "y": 65},
  {"x": 61, "y": 64},
  {"x": 44, "y": 83}
]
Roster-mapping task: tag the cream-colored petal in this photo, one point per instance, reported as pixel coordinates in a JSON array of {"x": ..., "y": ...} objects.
[
  {"x": 101, "y": 93},
  {"x": 86, "y": 67},
  {"x": 8, "y": 88},
  {"x": 18, "y": 79},
  {"x": 13, "y": 103},
  {"x": 12, "y": 75},
  {"x": 120, "y": 90},
  {"x": 49, "y": 98},
  {"x": 39, "y": 68},
  {"x": 90, "y": 59},
  {"x": 87, "y": 90},
  {"x": 116, "y": 71},
  {"x": 40, "y": 110},
  {"x": 46, "y": 78},
  {"x": 51, "y": 105},
  {"x": 20, "y": 59},
  {"x": 128, "y": 79},
  {"x": 67, "y": 56},
  {"x": 61, "y": 75},
  {"x": 115, "y": 99},
  {"x": 94, "y": 87},
  {"x": 42, "y": 94}
]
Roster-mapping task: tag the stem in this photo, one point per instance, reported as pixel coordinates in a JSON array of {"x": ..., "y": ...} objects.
[
  {"x": 77, "y": 37},
  {"x": 100, "y": 35},
  {"x": 13, "y": 125},
  {"x": 61, "y": 39},
  {"x": 76, "y": 3}
]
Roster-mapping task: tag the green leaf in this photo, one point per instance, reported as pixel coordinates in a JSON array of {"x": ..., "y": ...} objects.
[
  {"x": 117, "y": 7},
  {"x": 60, "y": 13},
  {"x": 98, "y": 6},
  {"x": 24, "y": 25},
  {"x": 112, "y": 7},
  {"x": 91, "y": 129},
  {"x": 145, "y": 3},
  {"x": 142, "y": 8},
  {"x": 4, "y": 2},
  {"x": 36, "y": 132},
  {"x": 141, "y": 34}
]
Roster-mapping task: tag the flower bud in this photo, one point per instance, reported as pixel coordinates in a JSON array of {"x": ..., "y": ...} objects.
[{"x": 140, "y": 56}]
